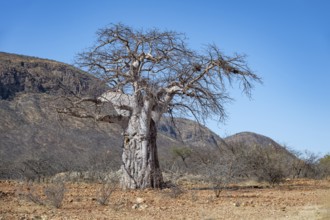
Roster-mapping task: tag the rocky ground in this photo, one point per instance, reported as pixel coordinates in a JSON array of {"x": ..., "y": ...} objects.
[{"x": 298, "y": 199}]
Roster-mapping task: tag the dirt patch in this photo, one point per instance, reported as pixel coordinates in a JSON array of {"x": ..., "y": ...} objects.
[{"x": 299, "y": 199}]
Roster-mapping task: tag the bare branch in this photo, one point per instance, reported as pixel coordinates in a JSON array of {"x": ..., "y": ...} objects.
[
  {"x": 157, "y": 65},
  {"x": 91, "y": 108}
]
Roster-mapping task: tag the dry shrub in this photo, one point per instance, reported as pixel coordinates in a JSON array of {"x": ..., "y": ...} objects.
[
  {"x": 108, "y": 186},
  {"x": 105, "y": 192},
  {"x": 55, "y": 194},
  {"x": 176, "y": 191},
  {"x": 32, "y": 195},
  {"x": 268, "y": 164}
]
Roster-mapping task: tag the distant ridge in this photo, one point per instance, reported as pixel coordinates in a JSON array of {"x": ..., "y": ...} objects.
[{"x": 20, "y": 57}]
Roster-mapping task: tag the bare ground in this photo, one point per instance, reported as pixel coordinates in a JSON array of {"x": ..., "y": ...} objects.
[{"x": 298, "y": 199}]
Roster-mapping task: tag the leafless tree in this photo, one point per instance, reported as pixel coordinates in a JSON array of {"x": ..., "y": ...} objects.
[
  {"x": 151, "y": 73},
  {"x": 268, "y": 164}
]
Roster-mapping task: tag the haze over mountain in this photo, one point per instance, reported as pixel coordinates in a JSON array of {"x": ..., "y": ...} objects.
[{"x": 32, "y": 131}]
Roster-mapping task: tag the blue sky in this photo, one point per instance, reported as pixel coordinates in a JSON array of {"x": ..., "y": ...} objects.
[{"x": 287, "y": 43}]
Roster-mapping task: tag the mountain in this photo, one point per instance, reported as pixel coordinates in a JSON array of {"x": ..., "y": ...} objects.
[
  {"x": 257, "y": 143},
  {"x": 191, "y": 133},
  {"x": 251, "y": 139},
  {"x": 35, "y": 139}
]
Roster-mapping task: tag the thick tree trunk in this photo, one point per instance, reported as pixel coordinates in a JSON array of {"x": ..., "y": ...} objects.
[{"x": 140, "y": 158}]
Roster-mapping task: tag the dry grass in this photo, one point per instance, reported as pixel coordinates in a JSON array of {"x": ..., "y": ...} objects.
[{"x": 299, "y": 199}]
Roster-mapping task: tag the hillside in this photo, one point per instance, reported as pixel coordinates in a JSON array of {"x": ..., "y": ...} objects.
[
  {"x": 31, "y": 132},
  {"x": 250, "y": 139},
  {"x": 35, "y": 139},
  {"x": 23, "y": 74}
]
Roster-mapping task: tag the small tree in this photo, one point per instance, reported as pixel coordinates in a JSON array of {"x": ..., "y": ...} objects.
[
  {"x": 151, "y": 73},
  {"x": 311, "y": 168},
  {"x": 268, "y": 164},
  {"x": 55, "y": 193},
  {"x": 324, "y": 164},
  {"x": 182, "y": 152}
]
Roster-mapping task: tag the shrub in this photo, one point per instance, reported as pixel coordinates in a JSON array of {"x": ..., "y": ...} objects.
[
  {"x": 32, "y": 194},
  {"x": 268, "y": 164},
  {"x": 55, "y": 193},
  {"x": 220, "y": 174},
  {"x": 105, "y": 192},
  {"x": 109, "y": 183},
  {"x": 174, "y": 191},
  {"x": 324, "y": 164}
]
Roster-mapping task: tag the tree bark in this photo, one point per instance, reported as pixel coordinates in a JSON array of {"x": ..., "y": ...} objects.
[{"x": 140, "y": 166}]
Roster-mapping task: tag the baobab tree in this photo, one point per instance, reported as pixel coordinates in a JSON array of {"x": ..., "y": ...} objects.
[{"x": 151, "y": 73}]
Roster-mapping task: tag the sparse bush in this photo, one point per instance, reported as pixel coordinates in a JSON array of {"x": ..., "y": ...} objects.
[
  {"x": 220, "y": 174},
  {"x": 171, "y": 179},
  {"x": 268, "y": 164},
  {"x": 193, "y": 196},
  {"x": 175, "y": 191},
  {"x": 105, "y": 192},
  {"x": 312, "y": 168},
  {"x": 32, "y": 195},
  {"x": 218, "y": 181},
  {"x": 55, "y": 193},
  {"x": 108, "y": 186},
  {"x": 324, "y": 164},
  {"x": 217, "y": 188}
]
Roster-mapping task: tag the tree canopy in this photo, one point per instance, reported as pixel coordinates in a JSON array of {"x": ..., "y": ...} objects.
[{"x": 159, "y": 66}]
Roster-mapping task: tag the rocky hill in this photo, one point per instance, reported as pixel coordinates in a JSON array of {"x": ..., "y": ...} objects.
[
  {"x": 23, "y": 74},
  {"x": 34, "y": 138}
]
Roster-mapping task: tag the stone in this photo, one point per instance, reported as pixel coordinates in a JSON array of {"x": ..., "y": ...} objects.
[
  {"x": 237, "y": 204},
  {"x": 143, "y": 206},
  {"x": 139, "y": 200}
]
